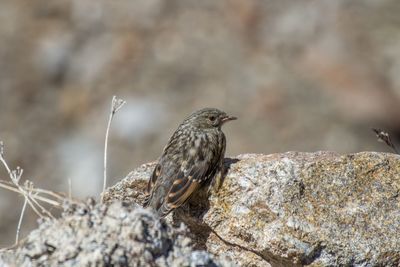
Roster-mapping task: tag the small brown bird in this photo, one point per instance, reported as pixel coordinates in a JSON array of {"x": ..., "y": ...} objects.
[{"x": 192, "y": 157}]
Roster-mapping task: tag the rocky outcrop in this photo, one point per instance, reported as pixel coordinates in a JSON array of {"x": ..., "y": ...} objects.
[
  {"x": 293, "y": 209},
  {"x": 290, "y": 209},
  {"x": 107, "y": 235}
]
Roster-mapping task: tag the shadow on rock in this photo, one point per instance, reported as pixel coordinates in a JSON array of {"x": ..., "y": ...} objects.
[{"x": 193, "y": 211}]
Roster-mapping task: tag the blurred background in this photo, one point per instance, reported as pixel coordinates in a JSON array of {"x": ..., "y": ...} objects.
[{"x": 301, "y": 75}]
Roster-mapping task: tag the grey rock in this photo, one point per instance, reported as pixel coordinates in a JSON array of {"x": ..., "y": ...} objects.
[
  {"x": 107, "y": 235},
  {"x": 294, "y": 209}
]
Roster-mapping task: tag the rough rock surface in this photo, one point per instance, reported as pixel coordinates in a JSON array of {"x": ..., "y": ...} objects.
[
  {"x": 107, "y": 235},
  {"x": 293, "y": 209}
]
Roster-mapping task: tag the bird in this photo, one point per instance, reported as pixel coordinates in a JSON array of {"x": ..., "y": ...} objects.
[{"x": 191, "y": 159}]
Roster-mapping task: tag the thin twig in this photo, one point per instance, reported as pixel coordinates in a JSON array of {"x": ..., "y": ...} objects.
[
  {"x": 27, "y": 190},
  {"x": 15, "y": 176},
  {"x": 2, "y": 158},
  {"x": 48, "y": 192},
  {"x": 20, "y": 221},
  {"x": 28, "y": 185},
  {"x": 116, "y": 104},
  {"x": 30, "y": 193},
  {"x": 385, "y": 137},
  {"x": 43, "y": 199},
  {"x": 69, "y": 189},
  {"x": 59, "y": 196},
  {"x": 44, "y": 211},
  {"x": 33, "y": 207}
]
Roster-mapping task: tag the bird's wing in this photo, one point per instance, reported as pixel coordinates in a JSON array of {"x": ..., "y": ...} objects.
[
  {"x": 185, "y": 183},
  {"x": 150, "y": 184}
]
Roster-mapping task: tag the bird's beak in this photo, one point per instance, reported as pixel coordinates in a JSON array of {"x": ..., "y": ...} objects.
[{"x": 228, "y": 118}]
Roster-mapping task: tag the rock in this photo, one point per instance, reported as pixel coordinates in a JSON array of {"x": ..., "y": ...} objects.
[
  {"x": 107, "y": 235},
  {"x": 293, "y": 209}
]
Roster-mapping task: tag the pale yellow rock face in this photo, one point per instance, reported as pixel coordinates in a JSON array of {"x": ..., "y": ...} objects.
[{"x": 289, "y": 209}]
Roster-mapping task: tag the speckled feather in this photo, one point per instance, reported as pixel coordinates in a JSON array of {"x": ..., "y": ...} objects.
[{"x": 191, "y": 158}]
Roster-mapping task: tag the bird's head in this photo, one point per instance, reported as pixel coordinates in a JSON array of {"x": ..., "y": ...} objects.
[{"x": 209, "y": 118}]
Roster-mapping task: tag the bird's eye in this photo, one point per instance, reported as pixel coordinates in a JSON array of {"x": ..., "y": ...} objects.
[{"x": 212, "y": 118}]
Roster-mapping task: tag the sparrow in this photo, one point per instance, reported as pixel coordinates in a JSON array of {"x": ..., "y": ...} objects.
[{"x": 191, "y": 159}]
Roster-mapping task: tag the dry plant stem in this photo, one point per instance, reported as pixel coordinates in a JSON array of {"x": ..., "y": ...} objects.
[
  {"x": 27, "y": 190},
  {"x": 36, "y": 191},
  {"x": 105, "y": 150},
  {"x": 47, "y": 192},
  {"x": 39, "y": 191},
  {"x": 20, "y": 221},
  {"x": 43, "y": 199},
  {"x": 14, "y": 178},
  {"x": 69, "y": 189},
  {"x": 44, "y": 211},
  {"x": 116, "y": 104},
  {"x": 30, "y": 193},
  {"x": 385, "y": 137}
]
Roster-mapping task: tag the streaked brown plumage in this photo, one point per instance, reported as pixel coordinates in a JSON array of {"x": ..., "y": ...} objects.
[{"x": 192, "y": 157}]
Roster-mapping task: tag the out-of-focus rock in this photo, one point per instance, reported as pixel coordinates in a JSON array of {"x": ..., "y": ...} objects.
[
  {"x": 101, "y": 235},
  {"x": 292, "y": 209}
]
